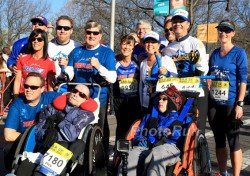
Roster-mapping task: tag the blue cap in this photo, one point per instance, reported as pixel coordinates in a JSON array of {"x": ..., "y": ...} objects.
[{"x": 41, "y": 19}]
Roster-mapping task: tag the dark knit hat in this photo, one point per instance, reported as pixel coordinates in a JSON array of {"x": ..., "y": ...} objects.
[{"x": 175, "y": 98}]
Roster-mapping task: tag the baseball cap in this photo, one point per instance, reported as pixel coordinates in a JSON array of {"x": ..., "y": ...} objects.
[
  {"x": 182, "y": 14},
  {"x": 152, "y": 35},
  {"x": 226, "y": 24},
  {"x": 41, "y": 19}
]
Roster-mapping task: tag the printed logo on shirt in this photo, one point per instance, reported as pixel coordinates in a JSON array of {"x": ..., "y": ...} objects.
[
  {"x": 28, "y": 123},
  {"x": 120, "y": 77},
  {"x": 59, "y": 55},
  {"x": 32, "y": 69}
]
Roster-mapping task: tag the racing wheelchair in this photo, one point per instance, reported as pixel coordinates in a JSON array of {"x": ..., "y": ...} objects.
[
  {"x": 195, "y": 158},
  {"x": 90, "y": 162}
]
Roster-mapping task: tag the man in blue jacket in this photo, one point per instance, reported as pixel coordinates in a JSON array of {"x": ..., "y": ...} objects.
[
  {"x": 155, "y": 140},
  {"x": 21, "y": 46}
]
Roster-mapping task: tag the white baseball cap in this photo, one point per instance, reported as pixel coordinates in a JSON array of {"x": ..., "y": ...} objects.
[
  {"x": 152, "y": 35},
  {"x": 182, "y": 14}
]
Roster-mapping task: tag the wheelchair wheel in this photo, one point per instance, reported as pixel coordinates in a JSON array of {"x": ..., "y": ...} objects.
[
  {"x": 202, "y": 164},
  {"x": 96, "y": 155}
]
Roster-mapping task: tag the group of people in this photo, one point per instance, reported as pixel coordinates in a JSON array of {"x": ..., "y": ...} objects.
[{"x": 39, "y": 65}]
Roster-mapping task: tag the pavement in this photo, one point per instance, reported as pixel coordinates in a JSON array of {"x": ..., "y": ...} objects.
[{"x": 244, "y": 139}]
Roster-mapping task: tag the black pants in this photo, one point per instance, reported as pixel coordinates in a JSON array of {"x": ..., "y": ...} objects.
[
  {"x": 103, "y": 123},
  {"x": 9, "y": 152},
  {"x": 126, "y": 112},
  {"x": 27, "y": 168}
]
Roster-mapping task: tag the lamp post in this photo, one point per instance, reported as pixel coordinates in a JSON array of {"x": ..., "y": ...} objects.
[
  {"x": 112, "y": 26},
  {"x": 208, "y": 13}
]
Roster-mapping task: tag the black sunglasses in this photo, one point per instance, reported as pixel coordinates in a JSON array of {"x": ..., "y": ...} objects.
[
  {"x": 168, "y": 30},
  {"x": 82, "y": 95},
  {"x": 39, "y": 39},
  {"x": 66, "y": 28},
  {"x": 26, "y": 86},
  {"x": 39, "y": 23},
  {"x": 92, "y": 32},
  {"x": 226, "y": 30},
  {"x": 164, "y": 98}
]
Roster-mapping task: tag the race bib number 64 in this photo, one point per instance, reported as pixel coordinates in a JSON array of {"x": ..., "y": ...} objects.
[{"x": 55, "y": 159}]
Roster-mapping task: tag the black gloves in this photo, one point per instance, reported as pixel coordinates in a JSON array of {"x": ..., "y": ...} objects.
[
  {"x": 50, "y": 137},
  {"x": 52, "y": 121}
]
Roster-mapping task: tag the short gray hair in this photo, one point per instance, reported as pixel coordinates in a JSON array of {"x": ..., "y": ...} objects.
[
  {"x": 93, "y": 24},
  {"x": 144, "y": 22}
]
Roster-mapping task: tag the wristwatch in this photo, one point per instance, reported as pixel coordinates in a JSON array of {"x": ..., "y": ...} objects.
[{"x": 240, "y": 103}]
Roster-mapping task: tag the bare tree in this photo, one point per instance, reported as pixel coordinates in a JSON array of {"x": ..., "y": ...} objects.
[{"x": 16, "y": 19}]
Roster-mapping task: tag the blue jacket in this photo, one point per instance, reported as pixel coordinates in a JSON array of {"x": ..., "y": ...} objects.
[
  {"x": 154, "y": 135},
  {"x": 75, "y": 119},
  {"x": 20, "y": 46}
]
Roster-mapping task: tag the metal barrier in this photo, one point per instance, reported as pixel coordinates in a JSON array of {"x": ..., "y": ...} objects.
[{"x": 3, "y": 89}]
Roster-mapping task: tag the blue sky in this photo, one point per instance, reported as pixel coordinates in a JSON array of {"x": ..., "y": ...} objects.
[{"x": 56, "y": 5}]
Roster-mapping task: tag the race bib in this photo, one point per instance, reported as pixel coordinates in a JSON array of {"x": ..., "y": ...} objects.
[
  {"x": 55, "y": 159},
  {"x": 189, "y": 84},
  {"x": 219, "y": 90},
  {"x": 165, "y": 83},
  {"x": 182, "y": 84},
  {"x": 128, "y": 86}
]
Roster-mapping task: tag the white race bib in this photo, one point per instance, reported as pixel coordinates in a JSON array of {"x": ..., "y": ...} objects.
[
  {"x": 182, "y": 84},
  {"x": 164, "y": 83},
  {"x": 189, "y": 84},
  {"x": 219, "y": 90},
  {"x": 56, "y": 158}
]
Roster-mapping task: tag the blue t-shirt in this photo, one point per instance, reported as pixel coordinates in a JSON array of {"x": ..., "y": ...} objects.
[
  {"x": 21, "y": 115},
  {"x": 79, "y": 59},
  {"x": 232, "y": 67}
]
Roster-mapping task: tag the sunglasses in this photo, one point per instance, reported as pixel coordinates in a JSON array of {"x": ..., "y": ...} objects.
[
  {"x": 92, "y": 32},
  {"x": 39, "y": 39},
  {"x": 164, "y": 98},
  {"x": 168, "y": 30},
  {"x": 226, "y": 30},
  {"x": 66, "y": 28},
  {"x": 82, "y": 95},
  {"x": 26, "y": 86},
  {"x": 38, "y": 23}
]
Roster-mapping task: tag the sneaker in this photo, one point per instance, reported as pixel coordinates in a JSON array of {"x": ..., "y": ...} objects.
[{"x": 223, "y": 174}]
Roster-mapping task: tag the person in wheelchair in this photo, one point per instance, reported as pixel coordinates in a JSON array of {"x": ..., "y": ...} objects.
[
  {"x": 62, "y": 122},
  {"x": 154, "y": 145}
]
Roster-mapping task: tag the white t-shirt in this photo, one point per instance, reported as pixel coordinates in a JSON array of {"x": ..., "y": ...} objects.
[
  {"x": 56, "y": 50},
  {"x": 185, "y": 45}
]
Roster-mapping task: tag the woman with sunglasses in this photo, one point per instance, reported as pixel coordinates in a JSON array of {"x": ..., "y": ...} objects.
[
  {"x": 229, "y": 64},
  {"x": 169, "y": 33},
  {"x": 36, "y": 61},
  {"x": 126, "y": 88}
]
